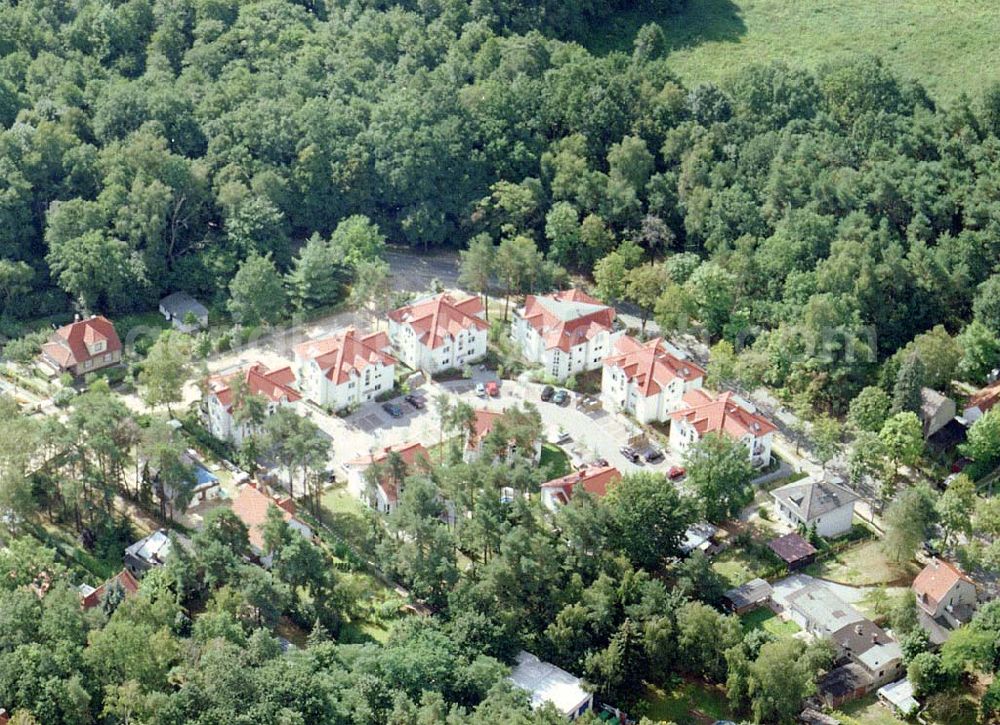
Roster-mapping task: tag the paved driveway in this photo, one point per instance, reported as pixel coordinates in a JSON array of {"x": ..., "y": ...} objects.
[{"x": 784, "y": 588}]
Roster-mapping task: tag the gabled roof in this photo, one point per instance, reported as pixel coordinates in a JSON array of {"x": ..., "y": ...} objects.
[
  {"x": 594, "y": 480},
  {"x": 251, "y": 505},
  {"x": 346, "y": 353},
  {"x": 438, "y": 319},
  {"x": 124, "y": 579},
  {"x": 68, "y": 345},
  {"x": 812, "y": 498},
  {"x": 651, "y": 365},
  {"x": 791, "y": 548},
  {"x": 936, "y": 580},
  {"x": 985, "y": 398},
  {"x": 864, "y": 637},
  {"x": 275, "y": 385},
  {"x": 568, "y": 318},
  {"x": 931, "y": 401},
  {"x": 412, "y": 454},
  {"x": 179, "y": 304},
  {"x": 724, "y": 414},
  {"x": 483, "y": 426}
]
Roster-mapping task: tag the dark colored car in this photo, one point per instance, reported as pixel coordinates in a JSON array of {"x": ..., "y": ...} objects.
[
  {"x": 547, "y": 392},
  {"x": 676, "y": 472},
  {"x": 560, "y": 397},
  {"x": 653, "y": 455},
  {"x": 414, "y": 401},
  {"x": 393, "y": 409},
  {"x": 630, "y": 453},
  {"x": 602, "y": 462}
]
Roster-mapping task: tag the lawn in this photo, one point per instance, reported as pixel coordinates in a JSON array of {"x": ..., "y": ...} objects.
[
  {"x": 866, "y": 711},
  {"x": 864, "y": 565},
  {"x": 347, "y": 517},
  {"x": 950, "y": 47},
  {"x": 688, "y": 702},
  {"x": 740, "y": 563},
  {"x": 556, "y": 458},
  {"x": 767, "y": 620}
]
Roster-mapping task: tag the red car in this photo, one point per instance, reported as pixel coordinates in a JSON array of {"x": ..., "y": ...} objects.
[
  {"x": 676, "y": 472},
  {"x": 493, "y": 388}
]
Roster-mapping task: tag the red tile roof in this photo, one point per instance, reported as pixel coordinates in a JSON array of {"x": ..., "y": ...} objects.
[
  {"x": 791, "y": 548},
  {"x": 251, "y": 505},
  {"x": 985, "y": 398},
  {"x": 936, "y": 580},
  {"x": 650, "y": 365},
  {"x": 721, "y": 415},
  {"x": 441, "y": 318},
  {"x": 594, "y": 480},
  {"x": 274, "y": 385},
  {"x": 124, "y": 578},
  {"x": 411, "y": 453},
  {"x": 347, "y": 352},
  {"x": 568, "y": 318},
  {"x": 68, "y": 345},
  {"x": 485, "y": 420}
]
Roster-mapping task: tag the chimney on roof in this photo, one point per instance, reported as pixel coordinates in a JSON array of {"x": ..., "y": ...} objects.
[
  {"x": 76, "y": 317},
  {"x": 858, "y": 629}
]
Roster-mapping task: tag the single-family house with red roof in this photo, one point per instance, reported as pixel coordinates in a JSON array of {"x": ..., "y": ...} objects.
[
  {"x": 483, "y": 425},
  {"x": 980, "y": 402},
  {"x": 219, "y": 401},
  {"x": 566, "y": 332},
  {"x": 647, "y": 379},
  {"x": 943, "y": 591},
  {"x": 83, "y": 346},
  {"x": 389, "y": 484},
  {"x": 439, "y": 333},
  {"x": 347, "y": 368},
  {"x": 702, "y": 413},
  {"x": 595, "y": 480},
  {"x": 124, "y": 582},
  {"x": 251, "y": 505}
]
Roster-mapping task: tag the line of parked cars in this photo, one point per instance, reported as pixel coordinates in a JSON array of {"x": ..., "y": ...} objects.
[{"x": 550, "y": 394}]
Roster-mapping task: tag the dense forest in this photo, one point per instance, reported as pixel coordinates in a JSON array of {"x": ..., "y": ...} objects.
[{"x": 154, "y": 146}]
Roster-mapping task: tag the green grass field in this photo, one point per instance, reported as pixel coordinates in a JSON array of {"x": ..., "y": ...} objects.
[
  {"x": 767, "y": 620},
  {"x": 554, "y": 456},
  {"x": 865, "y": 565},
  {"x": 950, "y": 46}
]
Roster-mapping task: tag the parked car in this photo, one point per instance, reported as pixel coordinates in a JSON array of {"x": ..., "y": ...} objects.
[
  {"x": 561, "y": 397},
  {"x": 630, "y": 453},
  {"x": 415, "y": 402},
  {"x": 393, "y": 409},
  {"x": 602, "y": 462},
  {"x": 480, "y": 390},
  {"x": 653, "y": 455},
  {"x": 547, "y": 392},
  {"x": 557, "y": 435},
  {"x": 676, "y": 472},
  {"x": 493, "y": 388}
]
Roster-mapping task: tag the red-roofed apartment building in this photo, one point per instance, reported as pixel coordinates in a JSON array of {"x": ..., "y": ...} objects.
[
  {"x": 944, "y": 591},
  {"x": 594, "y": 480},
  {"x": 566, "y": 332},
  {"x": 647, "y": 380},
  {"x": 726, "y": 414},
  {"x": 439, "y": 333},
  {"x": 83, "y": 346},
  {"x": 345, "y": 369},
  {"x": 251, "y": 505},
  {"x": 389, "y": 486},
  {"x": 275, "y": 386}
]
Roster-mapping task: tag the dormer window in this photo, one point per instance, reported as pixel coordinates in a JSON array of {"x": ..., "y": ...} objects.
[{"x": 97, "y": 347}]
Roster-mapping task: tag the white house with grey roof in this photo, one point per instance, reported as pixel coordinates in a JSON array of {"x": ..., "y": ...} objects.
[{"x": 816, "y": 502}]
